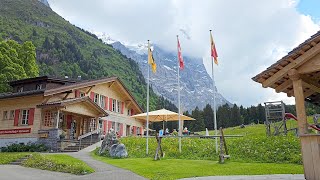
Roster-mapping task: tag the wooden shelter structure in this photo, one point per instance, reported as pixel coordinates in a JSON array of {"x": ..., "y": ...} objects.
[{"x": 298, "y": 74}]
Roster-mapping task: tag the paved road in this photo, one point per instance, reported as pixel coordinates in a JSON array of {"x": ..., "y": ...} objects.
[{"x": 256, "y": 177}]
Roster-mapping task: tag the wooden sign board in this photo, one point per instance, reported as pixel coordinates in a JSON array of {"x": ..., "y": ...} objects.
[
  {"x": 43, "y": 135},
  {"x": 15, "y": 131}
]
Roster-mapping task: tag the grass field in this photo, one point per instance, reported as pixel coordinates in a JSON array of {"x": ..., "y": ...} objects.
[
  {"x": 58, "y": 162},
  {"x": 254, "y": 146},
  {"x": 252, "y": 154},
  {"x": 6, "y": 158},
  {"x": 182, "y": 168}
]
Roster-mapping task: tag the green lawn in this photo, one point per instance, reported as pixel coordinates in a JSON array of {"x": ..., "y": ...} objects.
[
  {"x": 182, "y": 168},
  {"x": 7, "y": 157},
  {"x": 58, "y": 162}
]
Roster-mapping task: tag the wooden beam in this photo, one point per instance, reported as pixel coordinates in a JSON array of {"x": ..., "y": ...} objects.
[
  {"x": 294, "y": 64},
  {"x": 46, "y": 99},
  {"x": 283, "y": 86},
  {"x": 312, "y": 65},
  {"x": 308, "y": 93},
  {"x": 89, "y": 89},
  {"x": 65, "y": 97},
  {"x": 311, "y": 86},
  {"x": 111, "y": 84},
  {"x": 299, "y": 97}
]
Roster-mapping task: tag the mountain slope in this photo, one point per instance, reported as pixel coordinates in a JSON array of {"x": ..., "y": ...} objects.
[
  {"x": 196, "y": 84},
  {"x": 66, "y": 50}
]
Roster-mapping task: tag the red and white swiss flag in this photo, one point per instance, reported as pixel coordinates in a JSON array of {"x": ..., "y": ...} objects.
[{"x": 180, "y": 58}]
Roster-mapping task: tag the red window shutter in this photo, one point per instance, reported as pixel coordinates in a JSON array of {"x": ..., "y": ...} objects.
[
  {"x": 109, "y": 125},
  {"x": 77, "y": 93},
  {"x": 92, "y": 95},
  {"x": 132, "y": 112},
  {"x": 31, "y": 116},
  {"x": 122, "y": 107},
  {"x": 104, "y": 127},
  {"x": 121, "y": 129},
  {"x": 141, "y": 131},
  {"x": 110, "y": 104},
  {"x": 106, "y": 103},
  {"x": 134, "y": 130},
  {"x": 69, "y": 119},
  {"x": 16, "y": 117}
]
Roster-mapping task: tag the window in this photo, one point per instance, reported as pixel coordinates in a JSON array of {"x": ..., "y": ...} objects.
[
  {"x": 11, "y": 114},
  {"x": 25, "y": 117},
  {"x": 118, "y": 106},
  {"x": 38, "y": 86},
  {"x": 118, "y": 127},
  {"x": 20, "y": 89},
  {"x": 129, "y": 112},
  {"x": 82, "y": 94},
  {"x": 49, "y": 118},
  {"x": 5, "y": 115},
  {"x": 102, "y": 101},
  {"x": 100, "y": 123},
  {"x": 93, "y": 124},
  {"x": 114, "y": 102},
  {"x": 96, "y": 98},
  {"x": 113, "y": 125},
  {"x": 138, "y": 131}
]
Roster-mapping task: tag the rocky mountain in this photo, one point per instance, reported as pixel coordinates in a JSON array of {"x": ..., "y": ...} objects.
[
  {"x": 63, "y": 49},
  {"x": 195, "y": 82},
  {"x": 45, "y": 2}
]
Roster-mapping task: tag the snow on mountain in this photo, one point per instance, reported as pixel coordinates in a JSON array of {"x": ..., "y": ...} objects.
[{"x": 195, "y": 82}]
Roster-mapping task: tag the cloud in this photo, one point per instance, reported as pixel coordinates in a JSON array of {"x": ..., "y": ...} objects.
[{"x": 249, "y": 35}]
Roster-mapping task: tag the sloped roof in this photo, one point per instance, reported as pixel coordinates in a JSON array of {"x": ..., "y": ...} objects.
[
  {"x": 66, "y": 102},
  {"x": 290, "y": 57},
  {"x": 89, "y": 83},
  {"x": 276, "y": 76}
]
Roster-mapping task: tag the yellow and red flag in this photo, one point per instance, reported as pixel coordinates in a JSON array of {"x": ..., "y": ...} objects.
[
  {"x": 214, "y": 53},
  {"x": 151, "y": 60},
  {"x": 180, "y": 58}
]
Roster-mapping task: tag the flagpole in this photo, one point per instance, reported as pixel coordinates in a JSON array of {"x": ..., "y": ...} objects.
[
  {"x": 147, "y": 147},
  {"x": 180, "y": 133},
  {"x": 214, "y": 103}
]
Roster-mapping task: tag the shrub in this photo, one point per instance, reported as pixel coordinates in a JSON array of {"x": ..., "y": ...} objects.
[{"x": 24, "y": 148}]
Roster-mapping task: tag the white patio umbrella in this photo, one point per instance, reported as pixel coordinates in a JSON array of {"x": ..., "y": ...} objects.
[{"x": 161, "y": 115}]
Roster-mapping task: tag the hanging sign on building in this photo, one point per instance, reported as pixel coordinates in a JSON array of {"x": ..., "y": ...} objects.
[{"x": 15, "y": 131}]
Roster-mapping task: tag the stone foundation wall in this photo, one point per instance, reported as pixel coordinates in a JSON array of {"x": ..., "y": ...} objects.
[{"x": 52, "y": 140}]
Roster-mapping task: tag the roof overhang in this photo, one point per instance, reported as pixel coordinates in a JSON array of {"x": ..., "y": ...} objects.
[
  {"x": 82, "y": 100},
  {"x": 304, "y": 61},
  {"x": 91, "y": 83}
]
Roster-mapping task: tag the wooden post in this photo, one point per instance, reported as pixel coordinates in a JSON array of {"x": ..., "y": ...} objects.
[
  {"x": 299, "y": 98},
  {"x": 57, "y": 120}
]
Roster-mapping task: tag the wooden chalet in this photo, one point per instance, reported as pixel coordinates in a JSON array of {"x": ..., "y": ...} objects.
[
  {"x": 61, "y": 112},
  {"x": 298, "y": 74}
]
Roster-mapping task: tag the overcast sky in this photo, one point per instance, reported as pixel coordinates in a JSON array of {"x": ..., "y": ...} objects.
[{"x": 250, "y": 35}]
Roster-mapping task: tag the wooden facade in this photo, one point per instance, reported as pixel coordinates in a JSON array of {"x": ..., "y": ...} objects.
[
  {"x": 298, "y": 75},
  {"x": 75, "y": 108}
]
